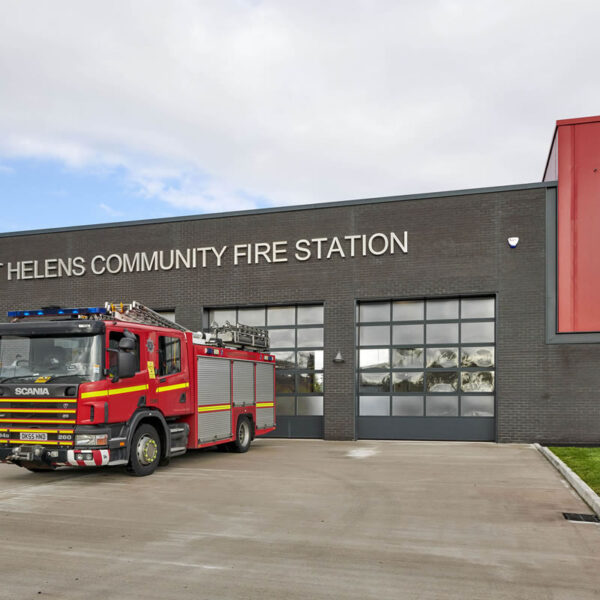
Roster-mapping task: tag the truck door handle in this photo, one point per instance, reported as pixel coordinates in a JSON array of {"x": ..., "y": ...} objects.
[{"x": 162, "y": 380}]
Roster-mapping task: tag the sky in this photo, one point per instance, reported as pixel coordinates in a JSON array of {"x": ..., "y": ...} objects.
[{"x": 119, "y": 110}]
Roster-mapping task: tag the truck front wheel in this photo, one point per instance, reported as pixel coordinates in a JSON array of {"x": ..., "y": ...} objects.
[
  {"x": 144, "y": 454},
  {"x": 243, "y": 436}
]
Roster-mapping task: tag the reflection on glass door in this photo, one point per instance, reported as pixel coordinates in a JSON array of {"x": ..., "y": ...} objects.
[
  {"x": 296, "y": 338},
  {"x": 426, "y": 358}
]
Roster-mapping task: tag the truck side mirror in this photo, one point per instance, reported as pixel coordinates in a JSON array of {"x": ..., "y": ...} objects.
[
  {"x": 127, "y": 364},
  {"x": 126, "y": 343}
]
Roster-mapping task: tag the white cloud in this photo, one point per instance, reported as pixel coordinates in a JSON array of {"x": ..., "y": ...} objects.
[
  {"x": 190, "y": 192},
  {"x": 109, "y": 210},
  {"x": 211, "y": 106}
]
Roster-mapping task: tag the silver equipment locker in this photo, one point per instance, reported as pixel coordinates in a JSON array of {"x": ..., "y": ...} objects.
[
  {"x": 214, "y": 390},
  {"x": 265, "y": 416},
  {"x": 243, "y": 383}
]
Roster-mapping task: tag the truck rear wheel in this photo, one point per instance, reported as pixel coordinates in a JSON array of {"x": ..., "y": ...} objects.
[
  {"x": 243, "y": 436},
  {"x": 144, "y": 454}
]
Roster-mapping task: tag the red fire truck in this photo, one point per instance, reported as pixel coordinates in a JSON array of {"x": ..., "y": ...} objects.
[{"x": 123, "y": 385}]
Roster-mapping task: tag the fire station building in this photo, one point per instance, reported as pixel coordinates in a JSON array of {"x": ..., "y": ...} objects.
[{"x": 463, "y": 315}]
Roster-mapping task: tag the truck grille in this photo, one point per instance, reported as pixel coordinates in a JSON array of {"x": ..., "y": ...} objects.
[{"x": 40, "y": 421}]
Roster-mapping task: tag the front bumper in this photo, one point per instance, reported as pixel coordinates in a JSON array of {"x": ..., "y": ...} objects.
[{"x": 60, "y": 457}]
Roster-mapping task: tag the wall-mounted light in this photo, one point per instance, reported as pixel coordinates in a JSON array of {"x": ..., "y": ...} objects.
[
  {"x": 513, "y": 241},
  {"x": 338, "y": 358}
]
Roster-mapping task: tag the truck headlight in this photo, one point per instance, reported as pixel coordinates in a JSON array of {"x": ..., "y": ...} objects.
[{"x": 91, "y": 439}]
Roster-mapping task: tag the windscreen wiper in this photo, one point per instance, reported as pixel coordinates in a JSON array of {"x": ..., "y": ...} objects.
[{"x": 54, "y": 378}]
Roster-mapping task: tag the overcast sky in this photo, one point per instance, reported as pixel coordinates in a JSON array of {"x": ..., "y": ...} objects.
[{"x": 116, "y": 110}]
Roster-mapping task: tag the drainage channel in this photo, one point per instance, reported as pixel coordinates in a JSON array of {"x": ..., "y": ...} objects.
[{"x": 581, "y": 518}]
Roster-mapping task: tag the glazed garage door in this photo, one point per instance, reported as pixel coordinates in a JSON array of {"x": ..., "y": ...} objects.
[
  {"x": 426, "y": 369},
  {"x": 296, "y": 336}
]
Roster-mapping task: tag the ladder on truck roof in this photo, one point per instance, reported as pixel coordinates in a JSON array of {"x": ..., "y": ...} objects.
[
  {"x": 241, "y": 336},
  {"x": 138, "y": 313},
  {"x": 233, "y": 336}
]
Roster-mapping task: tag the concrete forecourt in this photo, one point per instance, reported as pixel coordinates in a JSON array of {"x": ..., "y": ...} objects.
[{"x": 302, "y": 519}]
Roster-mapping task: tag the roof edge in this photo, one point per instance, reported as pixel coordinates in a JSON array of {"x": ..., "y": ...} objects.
[
  {"x": 578, "y": 121},
  {"x": 550, "y": 152},
  {"x": 281, "y": 209}
]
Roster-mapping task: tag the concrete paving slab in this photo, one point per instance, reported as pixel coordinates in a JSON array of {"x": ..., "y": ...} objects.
[{"x": 302, "y": 519}]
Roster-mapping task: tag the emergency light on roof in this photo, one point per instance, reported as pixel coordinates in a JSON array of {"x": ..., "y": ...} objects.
[{"x": 57, "y": 311}]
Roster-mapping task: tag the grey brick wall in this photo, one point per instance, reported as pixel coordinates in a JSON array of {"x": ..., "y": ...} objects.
[{"x": 457, "y": 246}]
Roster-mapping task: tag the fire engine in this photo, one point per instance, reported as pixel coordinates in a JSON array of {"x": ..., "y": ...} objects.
[{"x": 124, "y": 385}]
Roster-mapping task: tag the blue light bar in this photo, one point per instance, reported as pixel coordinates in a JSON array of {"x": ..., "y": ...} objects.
[{"x": 55, "y": 311}]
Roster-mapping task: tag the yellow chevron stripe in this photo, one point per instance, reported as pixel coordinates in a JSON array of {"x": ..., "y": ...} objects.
[
  {"x": 264, "y": 404},
  {"x": 38, "y": 430},
  {"x": 44, "y": 442},
  {"x": 115, "y": 392},
  {"x": 125, "y": 390},
  {"x": 38, "y": 421},
  {"x": 38, "y": 410},
  {"x": 216, "y": 407},
  {"x": 96, "y": 394},
  {"x": 38, "y": 400},
  {"x": 176, "y": 386}
]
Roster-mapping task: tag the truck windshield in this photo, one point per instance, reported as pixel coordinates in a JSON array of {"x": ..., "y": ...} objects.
[{"x": 70, "y": 359}]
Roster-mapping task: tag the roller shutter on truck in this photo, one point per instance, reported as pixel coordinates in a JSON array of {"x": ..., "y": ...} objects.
[
  {"x": 265, "y": 411},
  {"x": 214, "y": 399},
  {"x": 243, "y": 383}
]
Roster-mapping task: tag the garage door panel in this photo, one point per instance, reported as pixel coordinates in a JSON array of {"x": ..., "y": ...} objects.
[
  {"x": 426, "y": 369},
  {"x": 473, "y": 429}
]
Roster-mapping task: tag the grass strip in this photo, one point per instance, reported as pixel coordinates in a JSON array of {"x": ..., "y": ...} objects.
[{"x": 584, "y": 461}]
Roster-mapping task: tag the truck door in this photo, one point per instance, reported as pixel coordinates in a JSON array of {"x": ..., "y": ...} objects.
[
  {"x": 125, "y": 395},
  {"x": 172, "y": 377}
]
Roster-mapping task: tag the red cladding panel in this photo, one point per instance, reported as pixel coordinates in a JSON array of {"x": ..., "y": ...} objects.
[{"x": 578, "y": 142}]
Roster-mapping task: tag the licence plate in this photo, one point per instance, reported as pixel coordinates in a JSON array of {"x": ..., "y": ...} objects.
[{"x": 36, "y": 437}]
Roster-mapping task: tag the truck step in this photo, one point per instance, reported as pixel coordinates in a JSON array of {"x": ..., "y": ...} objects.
[{"x": 179, "y": 438}]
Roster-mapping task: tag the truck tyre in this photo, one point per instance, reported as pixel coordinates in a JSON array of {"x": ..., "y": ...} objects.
[
  {"x": 243, "y": 436},
  {"x": 144, "y": 454}
]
